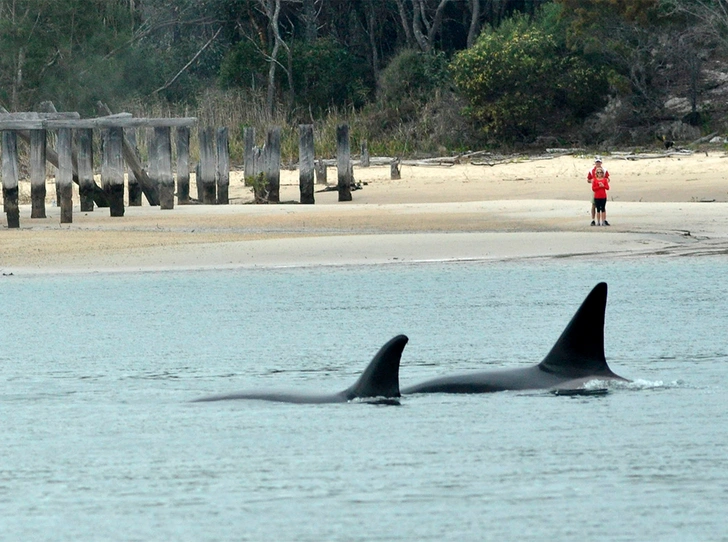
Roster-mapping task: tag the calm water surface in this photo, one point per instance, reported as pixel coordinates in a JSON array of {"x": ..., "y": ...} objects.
[{"x": 100, "y": 441}]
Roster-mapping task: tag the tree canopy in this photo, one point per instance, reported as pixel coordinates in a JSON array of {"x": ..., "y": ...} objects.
[{"x": 520, "y": 68}]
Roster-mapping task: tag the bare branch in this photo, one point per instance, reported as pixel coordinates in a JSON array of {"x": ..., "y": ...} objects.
[{"x": 171, "y": 81}]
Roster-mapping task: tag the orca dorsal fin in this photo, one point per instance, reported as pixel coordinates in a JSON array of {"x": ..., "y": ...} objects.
[
  {"x": 381, "y": 377},
  {"x": 579, "y": 352}
]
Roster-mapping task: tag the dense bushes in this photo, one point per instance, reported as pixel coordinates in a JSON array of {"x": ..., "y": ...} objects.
[
  {"x": 326, "y": 74},
  {"x": 522, "y": 82}
]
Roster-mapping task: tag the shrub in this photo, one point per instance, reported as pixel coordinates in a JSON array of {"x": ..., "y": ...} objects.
[
  {"x": 411, "y": 78},
  {"x": 520, "y": 82},
  {"x": 326, "y": 74}
]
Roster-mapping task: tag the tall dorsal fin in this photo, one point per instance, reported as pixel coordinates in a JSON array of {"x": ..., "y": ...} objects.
[
  {"x": 381, "y": 377},
  {"x": 579, "y": 352}
]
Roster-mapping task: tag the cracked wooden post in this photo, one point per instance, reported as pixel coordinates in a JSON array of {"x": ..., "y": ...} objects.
[
  {"x": 394, "y": 172},
  {"x": 206, "y": 179},
  {"x": 364, "y": 154},
  {"x": 321, "y": 171},
  {"x": 162, "y": 144},
  {"x": 85, "y": 167},
  {"x": 305, "y": 162},
  {"x": 249, "y": 166},
  {"x": 133, "y": 187},
  {"x": 343, "y": 157},
  {"x": 64, "y": 177},
  {"x": 37, "y": 173},
  {"x": 112, "y": 170},
  {"x": 150, "y": 189},
  {"x": 10, "y": 178},
  {"x": 223, "y": 166},
  {"x": 183, "y": 165},
  {"x": 272, "y": 160}
]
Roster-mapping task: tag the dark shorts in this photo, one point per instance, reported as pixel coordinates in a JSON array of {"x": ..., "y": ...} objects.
[{"x": 600, "y": 204}]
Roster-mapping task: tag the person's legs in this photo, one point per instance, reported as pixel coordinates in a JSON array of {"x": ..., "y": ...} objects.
[
  {"x": 593, "y": 212},
  {"x": 601, "y": 211},
  {"x": 604, "y": 216}
]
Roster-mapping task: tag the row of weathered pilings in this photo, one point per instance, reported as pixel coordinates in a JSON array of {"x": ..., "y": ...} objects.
[
  {"x": 157, "y": 183},
  {"x": 73, "y": 159},
  {"x": 262, "y": 165}
]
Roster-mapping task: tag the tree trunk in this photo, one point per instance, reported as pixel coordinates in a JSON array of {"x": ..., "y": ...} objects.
[
  {"x": 425, "y": 31},
  {"x": 272, "y": 10},
  {"x": 474, "y": 22},
  {"x": 371, "y": 30},
  {"x": 309, "y": 21},
  {"x": 18, "y": 81},
  {"x": 405, "y": 22}
]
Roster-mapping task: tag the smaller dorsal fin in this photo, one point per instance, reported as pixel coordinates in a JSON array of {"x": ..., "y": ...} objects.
[
  {"x": 381, "y": 377},
  {"x": 579, "y": 352}
]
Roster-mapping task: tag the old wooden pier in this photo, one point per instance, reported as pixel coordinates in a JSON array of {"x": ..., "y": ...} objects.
[{"x": 74, "y": 160}]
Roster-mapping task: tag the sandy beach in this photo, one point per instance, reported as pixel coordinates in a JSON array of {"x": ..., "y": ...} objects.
[{"x": 670, "y": 205}]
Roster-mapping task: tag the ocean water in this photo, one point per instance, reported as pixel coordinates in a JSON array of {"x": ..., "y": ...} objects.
[{"x": 100, "y": 439}]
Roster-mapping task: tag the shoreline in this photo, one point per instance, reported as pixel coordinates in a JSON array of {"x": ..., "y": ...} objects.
[{"x": 530, "y": 209}]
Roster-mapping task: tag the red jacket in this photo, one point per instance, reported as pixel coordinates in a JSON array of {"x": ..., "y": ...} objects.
[{"x": 600, "y": 192}]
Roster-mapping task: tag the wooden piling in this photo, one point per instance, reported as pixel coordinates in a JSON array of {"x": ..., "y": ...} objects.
[
  {"x": 47, "y": 106},
  {"x": 85, "y": 168},
  {"x": 134, "y": 188},
  {"x": 24, "y": 122},
  {"x": 162, "y": 143},
  {"x": 343, "y": 157},
  {"x": 183, "y": 165},
  {"x": 394, "y": 172},
  {"x": 321, "y": 171},
  {"x": 64, "y": 177},
  {"x": 206, "y": 180},
  {"x": 37, "y": 173},
  {"x": 223, "y": 166},
  {"x": 272, "y": 160},
  {"x": 10, "y": 178},
  {"x": 305, "y": 162},
  {"x": 150, "y": 189},
  {"x": 112, "y": 170},
  {"x": 198, "y": 183},
  {"x": 364, "y": 154},
  {"x": 249, "y": 166}
]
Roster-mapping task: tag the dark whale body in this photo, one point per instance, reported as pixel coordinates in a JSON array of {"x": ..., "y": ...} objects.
[
  {"x": 380, "y": 380},
  {"x": 575, "y": 359}
]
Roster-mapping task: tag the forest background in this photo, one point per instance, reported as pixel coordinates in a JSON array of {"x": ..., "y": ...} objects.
[{"x": 412, "y": 77}]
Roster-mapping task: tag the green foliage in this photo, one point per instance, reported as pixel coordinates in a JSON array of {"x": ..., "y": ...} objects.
[
  {"x": 326, "y": 74},
  {"x": 243, "y": 67},
  {"x": 521, "y": 82},
  {"x": 72, "y": 52},
  {"x": 412, "y": 77}
]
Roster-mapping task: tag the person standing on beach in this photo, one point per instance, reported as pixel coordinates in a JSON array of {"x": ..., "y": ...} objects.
[
  {"x": 590, "y": 178},
  {"x": 600, "y": 185}
]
